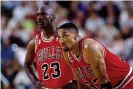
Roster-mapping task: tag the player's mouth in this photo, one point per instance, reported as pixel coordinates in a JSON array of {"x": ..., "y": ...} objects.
[{"x": 42, "y": 23}]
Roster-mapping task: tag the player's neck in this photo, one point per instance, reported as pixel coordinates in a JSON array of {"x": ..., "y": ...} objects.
[
  {"x": 47, "y": 34},
  {"x": 75, "y": 49},
  {"x": 49, "y": 31}
]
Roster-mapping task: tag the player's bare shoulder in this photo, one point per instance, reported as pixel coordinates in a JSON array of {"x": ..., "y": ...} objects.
[
  {"x": 90, "y": 44},
  {"x": 93, "y": 49},
  {"x": 31, "y": 45},
  {"x": 30, "y": 54}
]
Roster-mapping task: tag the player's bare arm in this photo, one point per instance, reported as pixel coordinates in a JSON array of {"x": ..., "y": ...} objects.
[
  {"x": 29, "y": 59},
  {"x": 93, "y": 52}
]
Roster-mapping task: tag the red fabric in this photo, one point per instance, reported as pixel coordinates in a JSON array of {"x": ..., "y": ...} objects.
[
  {"x": 84, "y": 72},
  {"x": 51, "y": 66},
  {"x": 129, "y": 85},
  {"x": 115, "y": 67}
]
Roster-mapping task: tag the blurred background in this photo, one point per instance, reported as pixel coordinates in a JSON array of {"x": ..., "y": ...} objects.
[{"x": 109, "y": 22}]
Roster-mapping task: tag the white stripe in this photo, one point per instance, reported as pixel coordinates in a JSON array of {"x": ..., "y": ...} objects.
[
  {"x": 69, "y": 58},
  {"x": 78, "y": 59},
  {"x": 45, "y": 39},
  {"x": 128, "y": 82},
  {"x": 125, "y": 77}
]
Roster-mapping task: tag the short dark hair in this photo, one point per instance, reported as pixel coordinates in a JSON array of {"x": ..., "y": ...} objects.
[{"x": 68, "y": 26}]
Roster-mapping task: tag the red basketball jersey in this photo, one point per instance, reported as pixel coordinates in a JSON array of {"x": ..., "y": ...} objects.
[
  {"x": 119, "y": 72},
  {"x": 84, "y": 71},
  {"x": 51, "y": 66}
]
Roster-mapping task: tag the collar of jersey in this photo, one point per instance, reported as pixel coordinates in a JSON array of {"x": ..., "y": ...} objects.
[{"x": 46, "y": 39}]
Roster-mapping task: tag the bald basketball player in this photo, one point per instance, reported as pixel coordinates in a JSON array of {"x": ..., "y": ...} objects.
[
  {"x": 46, "y": 51},
  {"x": 95, "y": 65}
]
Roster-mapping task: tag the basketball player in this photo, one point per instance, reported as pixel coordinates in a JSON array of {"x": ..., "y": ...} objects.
[
  {"x": 90, "y": 58},
  {"x": 53, "y": 72}
]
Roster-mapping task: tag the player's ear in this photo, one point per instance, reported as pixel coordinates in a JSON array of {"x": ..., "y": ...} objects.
[
  {"x": 51, "y": 17},
  {"x": 76, "y": 34}
]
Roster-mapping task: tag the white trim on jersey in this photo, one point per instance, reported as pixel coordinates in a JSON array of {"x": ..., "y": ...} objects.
[
  {"x": 128, "y": 82},
  {"x": 77, "y": 59},
  {"x": 69, "y": 57},
  {"x": 45, "y": 39},
  {"x": 130, "y": 71}
]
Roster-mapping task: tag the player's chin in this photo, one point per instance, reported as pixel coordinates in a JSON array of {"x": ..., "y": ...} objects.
[
  {"x": 41, "y": 25},
  {"x": 65, "y": 49}
]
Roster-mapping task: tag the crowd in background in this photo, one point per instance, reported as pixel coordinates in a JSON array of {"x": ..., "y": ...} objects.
[{"x": 109, "y": 22}]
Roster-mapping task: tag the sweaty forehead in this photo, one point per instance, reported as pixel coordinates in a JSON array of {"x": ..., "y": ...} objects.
[
  {"x": 42, "y": 9},
  {"x": 62, "y": 30},
  {"x": 70, "y": 30}
]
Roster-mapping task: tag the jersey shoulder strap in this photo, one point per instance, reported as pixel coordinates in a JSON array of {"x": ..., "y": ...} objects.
[{"x": 37, "y": 37}]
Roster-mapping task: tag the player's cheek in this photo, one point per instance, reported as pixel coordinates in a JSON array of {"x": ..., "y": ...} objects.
[{"x": 61, "y": 41}]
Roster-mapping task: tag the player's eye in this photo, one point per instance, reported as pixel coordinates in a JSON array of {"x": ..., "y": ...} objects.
[
  {"x": 64, "y": 35},
  {"x": 37, "y": 14},
  {"x": 42, "y": 13}
]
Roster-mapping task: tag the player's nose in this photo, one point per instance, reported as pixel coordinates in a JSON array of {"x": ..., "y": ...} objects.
[{"x": 40, "y": 18}]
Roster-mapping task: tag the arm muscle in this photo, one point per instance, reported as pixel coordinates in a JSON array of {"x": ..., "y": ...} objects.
[
  {"x": 29, "y": 59},
  {"x": 93, "y": 53}
]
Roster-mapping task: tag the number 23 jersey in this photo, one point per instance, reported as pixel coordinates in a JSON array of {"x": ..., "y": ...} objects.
[{"x": 51, "y": 66}]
